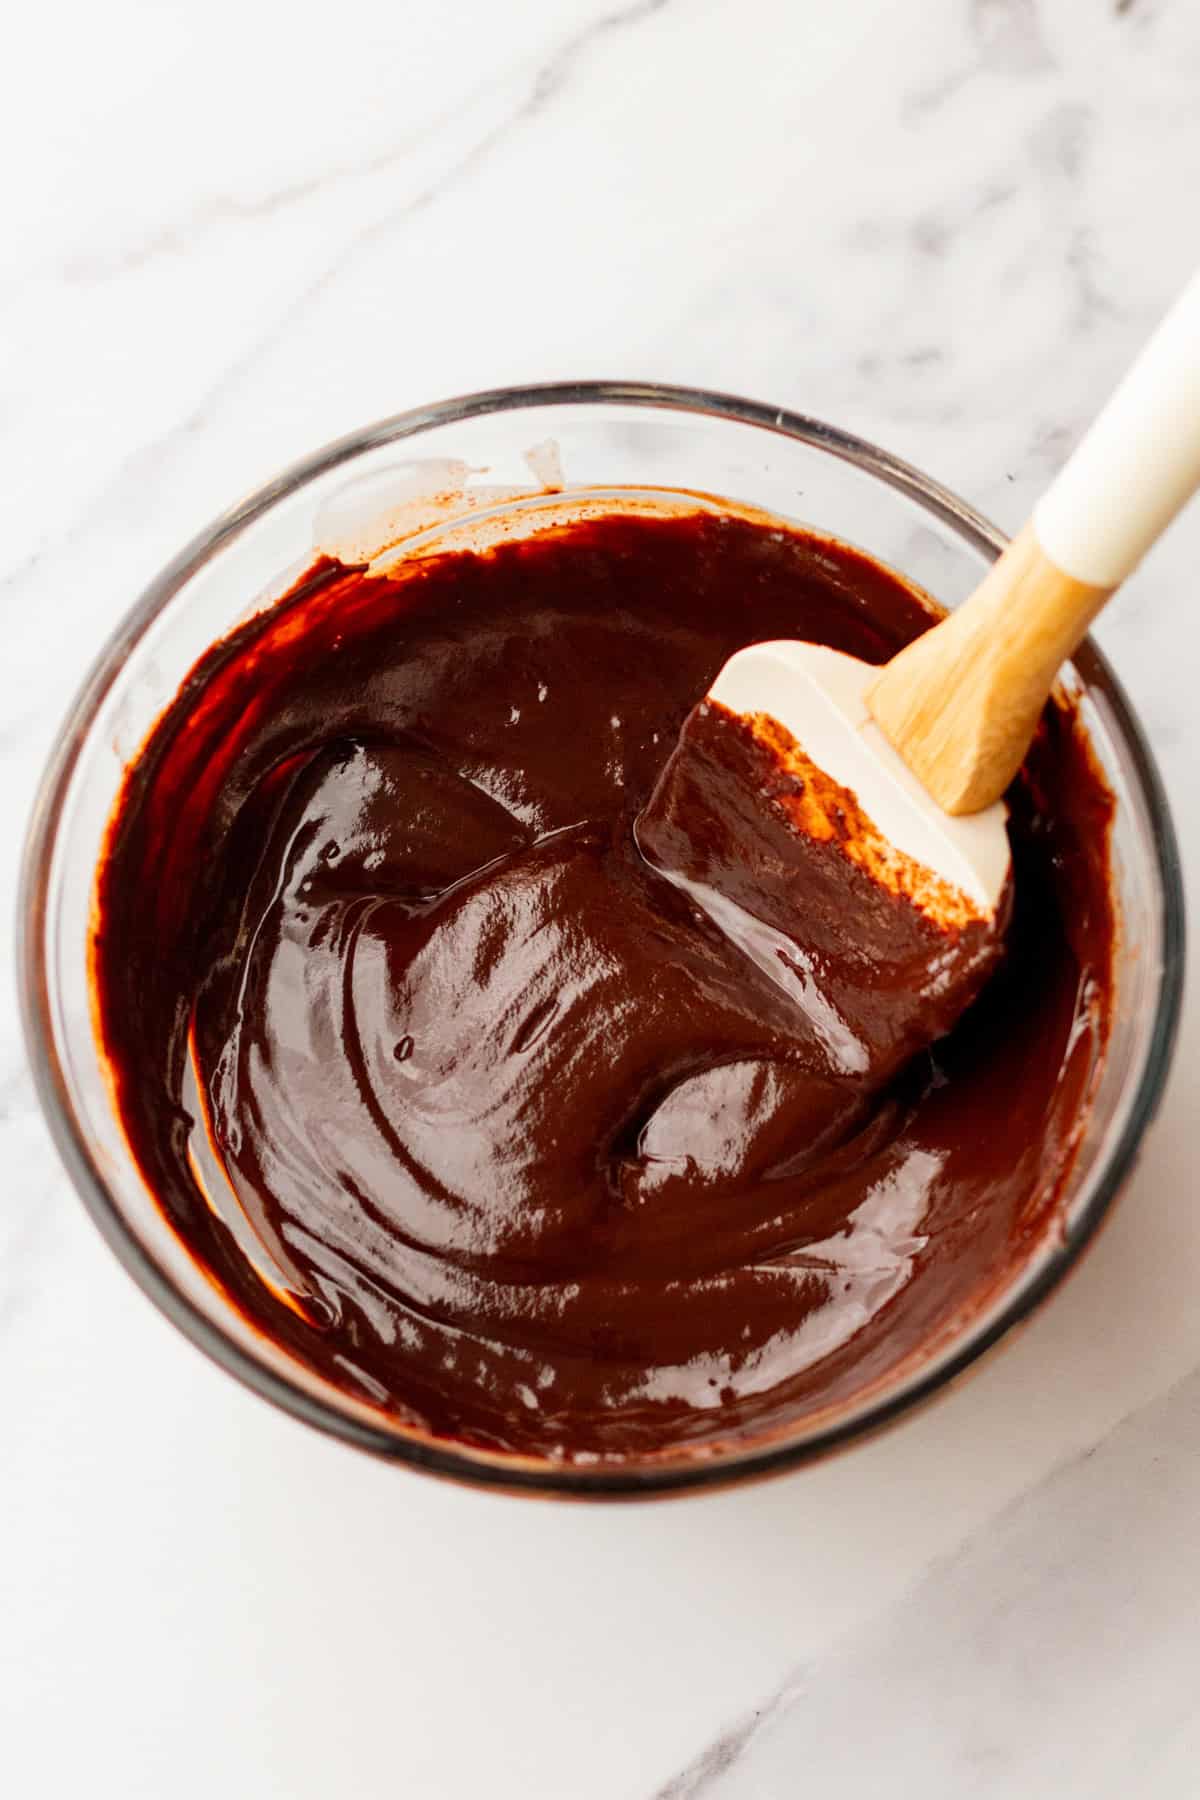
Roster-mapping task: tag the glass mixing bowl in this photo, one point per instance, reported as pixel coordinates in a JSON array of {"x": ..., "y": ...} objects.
[{"x": 488, "y": 451}]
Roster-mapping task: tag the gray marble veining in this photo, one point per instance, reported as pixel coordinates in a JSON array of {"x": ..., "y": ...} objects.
[
  {"x": 1057, "y": 1647},
  {"x": 946, "y": 227}
]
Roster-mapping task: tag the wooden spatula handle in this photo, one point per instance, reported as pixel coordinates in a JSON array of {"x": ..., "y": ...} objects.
[{"x": 962, "y": 702}]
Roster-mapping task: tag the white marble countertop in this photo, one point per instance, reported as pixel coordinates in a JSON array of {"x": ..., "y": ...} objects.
[{"x": 231, "y": 235}]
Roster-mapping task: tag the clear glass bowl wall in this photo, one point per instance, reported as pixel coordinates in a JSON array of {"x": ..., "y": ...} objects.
[{"x": 606, "y": 435}]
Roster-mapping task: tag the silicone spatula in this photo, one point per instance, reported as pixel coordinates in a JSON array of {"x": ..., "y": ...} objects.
[{"x": 929, "y": 743}]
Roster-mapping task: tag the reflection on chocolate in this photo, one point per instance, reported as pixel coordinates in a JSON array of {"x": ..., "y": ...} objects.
[{"x": 576, "y": 1100}]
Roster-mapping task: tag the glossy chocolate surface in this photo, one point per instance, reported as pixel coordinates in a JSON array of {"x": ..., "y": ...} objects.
[{"x": 522, "y": 1064}]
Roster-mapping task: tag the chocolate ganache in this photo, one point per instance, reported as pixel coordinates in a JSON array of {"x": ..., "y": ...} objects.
[{"x": 492, "y": 1028}]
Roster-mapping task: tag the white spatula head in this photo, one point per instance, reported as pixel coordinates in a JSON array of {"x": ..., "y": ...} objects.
[{"x": 818, "y": 696}]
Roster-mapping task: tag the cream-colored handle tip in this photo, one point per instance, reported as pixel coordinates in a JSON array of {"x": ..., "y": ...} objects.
[{"x": 1137, "y": 465}]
